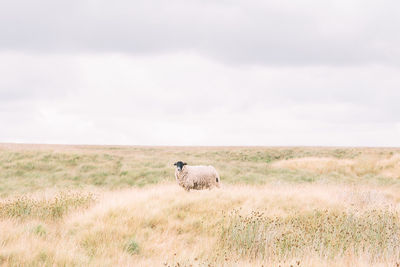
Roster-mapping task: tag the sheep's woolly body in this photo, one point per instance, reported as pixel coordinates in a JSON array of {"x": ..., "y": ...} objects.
[{"x": 197, "y": 177}]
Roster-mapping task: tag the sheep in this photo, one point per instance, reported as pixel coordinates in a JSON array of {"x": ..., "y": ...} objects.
[{"x": 196, "y": 177}]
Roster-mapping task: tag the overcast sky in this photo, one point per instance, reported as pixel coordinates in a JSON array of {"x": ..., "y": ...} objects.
[{"x": 200, "y": 72}]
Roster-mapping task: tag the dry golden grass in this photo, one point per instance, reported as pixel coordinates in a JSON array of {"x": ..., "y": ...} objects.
[
  {"x": 310, "y": 224},
  {"x": 277, "y": 206}
]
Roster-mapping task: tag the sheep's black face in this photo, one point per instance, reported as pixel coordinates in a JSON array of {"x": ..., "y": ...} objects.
[{"x": 179, "y": 165}]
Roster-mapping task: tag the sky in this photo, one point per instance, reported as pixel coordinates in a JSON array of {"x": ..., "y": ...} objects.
[{"x": 200, "y": 72}]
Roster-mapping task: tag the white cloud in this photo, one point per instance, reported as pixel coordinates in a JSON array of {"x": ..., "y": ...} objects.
[{"x": 187, "y": 99}]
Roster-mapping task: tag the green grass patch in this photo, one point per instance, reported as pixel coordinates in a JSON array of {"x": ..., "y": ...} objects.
[
  {"x": 132, "y": 247},
  {"x": 112, "y": 168}
]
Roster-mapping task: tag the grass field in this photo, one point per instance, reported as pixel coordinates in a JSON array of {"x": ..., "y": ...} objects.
[{"x": 120, "y": 205}]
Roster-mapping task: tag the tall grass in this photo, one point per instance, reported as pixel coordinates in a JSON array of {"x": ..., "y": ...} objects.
[
  {"x": 232, "y": 226},
  {"x": 323, "y": 233},
  {"x": 55, "y": 207}
]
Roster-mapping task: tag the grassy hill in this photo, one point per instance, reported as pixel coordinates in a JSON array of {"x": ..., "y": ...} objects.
[{"x": 120, "y": 205}]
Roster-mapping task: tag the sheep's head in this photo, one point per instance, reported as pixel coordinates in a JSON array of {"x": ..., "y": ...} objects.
[{"x": 179, "y": 165}]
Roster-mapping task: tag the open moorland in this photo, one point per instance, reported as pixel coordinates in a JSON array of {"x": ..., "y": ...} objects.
[{"x": 120, "y": 205}]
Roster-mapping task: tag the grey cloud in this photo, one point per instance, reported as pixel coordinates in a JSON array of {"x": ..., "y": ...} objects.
[{"x": 255, "y": 32}]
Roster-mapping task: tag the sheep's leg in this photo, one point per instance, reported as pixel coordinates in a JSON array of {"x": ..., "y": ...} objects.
[
  {"x": 187, "y": 187},
  {"x": 217, "y": 182}
]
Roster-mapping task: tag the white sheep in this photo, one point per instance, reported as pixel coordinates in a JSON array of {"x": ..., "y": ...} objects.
[{"x": 196, "y": 177}]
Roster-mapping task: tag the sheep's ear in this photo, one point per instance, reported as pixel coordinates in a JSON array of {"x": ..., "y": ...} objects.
[
  {"x": 184, "y": 163},
  {"x": 175, "y": 164}
]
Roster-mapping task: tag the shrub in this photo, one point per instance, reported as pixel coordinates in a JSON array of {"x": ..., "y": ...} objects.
[{"x": 132, "y": 247}]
